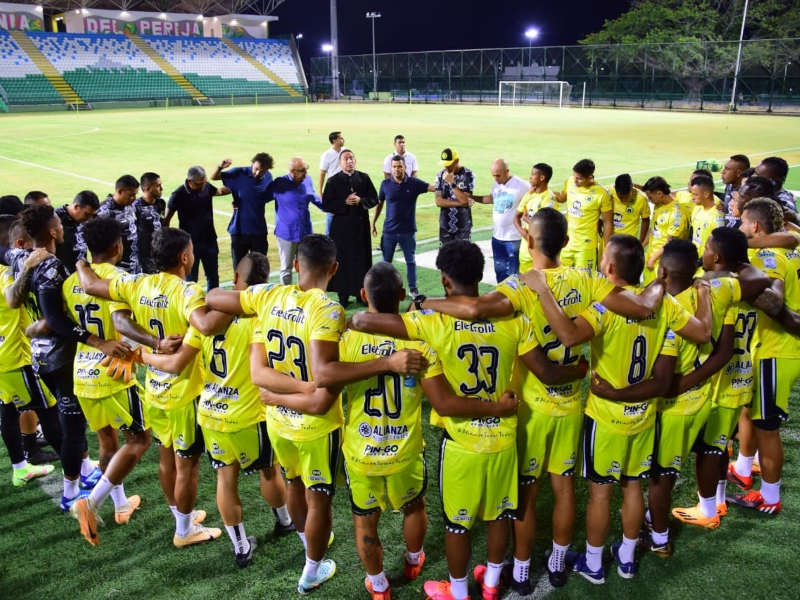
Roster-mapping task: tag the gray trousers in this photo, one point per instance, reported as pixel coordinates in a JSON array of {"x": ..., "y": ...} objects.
[{"x": 287, "y": 252}]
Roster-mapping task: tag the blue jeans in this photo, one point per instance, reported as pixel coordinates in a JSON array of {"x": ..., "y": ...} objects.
[
  {"x": 506, "y": 258},
  {"x": 408, "y": 244}
]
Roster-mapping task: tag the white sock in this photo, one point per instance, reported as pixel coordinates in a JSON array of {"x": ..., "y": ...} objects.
[
  {"x": 659, "y": 539},
  {"x": 492, "y": 576},
  {"x": 647, "y": 516},
  {"x": 458, "y": 588},
  {"x": 86, "y": 467},
  {"x": 708, "y": 507},
  {"x": 594, "y": 557},
  {"x": 282, "y": 514},
  {"x": 721, "y": 488},
  {"x": 744, "y": 465},
  {"x": 71, "y": 488},
  {"x": 627, "y": 549},
  {"x": 118, "y": 496},
  {"x": 20, "y": 465},
  {"x": 556, "y": 560},
  {"x": 522, "y": 570},
  {"x": 756, "y": 459},
  {"x": 303, "y": 539},
  {"x": 771, "y": 492},
  {"x": 413, "y": 557},
  {"x": 183, "y": 524},
  {"x": 101, "y": 491},
  {"x": 379, "y": 582},
  {"x": 310, "y": 570},
  {"x": 174, "y": 510},
  {"x": 238, "y": 537}
]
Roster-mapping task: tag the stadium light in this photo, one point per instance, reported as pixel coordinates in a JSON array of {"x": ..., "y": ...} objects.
[
  {"x": 531, "y": 34},
  {"x": 372, "y": 16},
  {"x": 297, "y": 38},
  {"x": 329, "y": 49}
]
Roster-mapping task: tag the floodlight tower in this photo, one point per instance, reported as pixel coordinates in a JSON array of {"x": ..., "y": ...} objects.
[
  {"x": 531, "y": 34},
  {"x": 334, "y": 52},
  {"x": 372, "y": 16}
]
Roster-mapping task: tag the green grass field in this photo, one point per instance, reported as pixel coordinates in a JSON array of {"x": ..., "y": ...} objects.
[{"x": 64, "y": 153}]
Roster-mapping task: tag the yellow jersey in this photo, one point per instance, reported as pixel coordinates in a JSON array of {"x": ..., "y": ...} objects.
[
  {"x": 532, "y": 202},
  {"x": 479, "y": 359},
  {"x": 162, "y": 304},
  {"x": 94, "y": 315},
  {"x": 771, "y": 340},
  {"x": 669, "y": 221},
  {"x": 704, "y": 221},
  {"x": 290, "y": 319},
  {"x": 575, "y": 290},
  {"x": 383, "y": 427},
  {"x": 685, "y": 199},
  {"x": 15, "y": 346},
  {"x": 624, "y": 351},
  {"x": 628, "y": 215},
  {"x": 585, "y": 206},
  {"x": 230, "y": 401}
]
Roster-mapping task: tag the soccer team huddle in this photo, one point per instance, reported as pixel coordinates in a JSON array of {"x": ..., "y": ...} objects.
[{"x": 688, "y": 310}]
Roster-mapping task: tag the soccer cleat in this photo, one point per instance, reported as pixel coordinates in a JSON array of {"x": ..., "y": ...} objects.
[
  {"x": 198, "y": 516},
  {"x": 522, "y": 588},
  {"x": 488, "y": 592},
  {"x": 22, "y": 476},
  {"x": 326, "y": 570},
  {"x": 437, "y": 590},
  {"x": 625, "y": 570},
  {"x": 582, "y": 569},
  {"x": 331, "y": 539},
  {"x": 42, "y": 457},
  {"x": 83, "y": 510},
  {"x": 722, "y": 509},
  {"x": 663, "y": 550},
  {"x": 412, "y": 571},
  {"x": 754, "y": 500},
  {"x": 283, "y": 530},
  {"x": 123, "y": 515},
  {"x": 244, "y": 559},
  {"x": 197, "y": 535},
  {"x": 66, "y": 503},
  {"x": 558, "y": 578},
  {"x": 414, "y": 292},
  {"x": 387, "y": 595},
  {"x": 40, "y": 440},
  {"x": 740, "y": 481},
  {"x": 693, "y": 516},
  {"x": 89, "y": 481}
]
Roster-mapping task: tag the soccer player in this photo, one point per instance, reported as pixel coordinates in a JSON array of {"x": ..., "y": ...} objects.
[
  {"x": 618, "y": 435},
  {"x": 164, "y": 305},
  {"x": 587, "y": 203},
  {"x": 110, "y": 405},
  {"x": 53, "y": 351},
  {"x": 72, "y": 216},
  {"x": 707, "y": 214},
  {"x": 149, "y": 209},
  {"x": 478, "y": 455},
  {"x": 631, "y": 210},
  {"x": 119, "y": 206},
  {"x": 232, "y": 416},
  {"x": 539, "y": 196},
  {"x": 302, "y": 327},
  {"x": 684, "y": 197},
  {"x": 670, "y": 222}
]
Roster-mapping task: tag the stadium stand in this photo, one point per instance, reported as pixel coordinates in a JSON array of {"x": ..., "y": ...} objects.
[
  {"x": 22, "y": 80},
  {"x": 276, "y": 56}
]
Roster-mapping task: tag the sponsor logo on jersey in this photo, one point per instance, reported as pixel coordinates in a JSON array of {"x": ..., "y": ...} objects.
[
  {"x": 409, "y": 494},
  {"x": 571, "y": 298},
  {"x": 739, "y": 366},
  {"x": 87, "y": 373},
  {"x": 288, "y": 412},
  {"x": 295, "y": 315},
  {"x": 512, "y": 282},
  {"x": 221, "y": 391},
  {"x": 481, "y": 326},
  {"x": 382, "y": 433},
  {"x": 533, "y": 464},
  {"x": 387, "y": 450},
  {"x": 504, "y": 504},
  {"x": 316, "y": 475},
  {"x": 570, "y": 461},
  {"x": 218, "y": 407},
  {"x": 485, "y": 422},
  {"x": 90, "y": 356},
  {"x": 386, "y": 348},
  {"x": 615, "y": 468},
  {"x": 463, "y": 516},
  {"x": 159, "y": 386},
  {"x": 370, "y": 500},
  {"x": 159, "y": 301},
  {"x": 364, "y": 430},
  {"x": 634, "y": 410},
  {"x": 215, "y": 449}
]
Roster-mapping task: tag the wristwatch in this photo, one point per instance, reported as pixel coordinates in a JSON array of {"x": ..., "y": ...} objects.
[{"x": 418, "y": 300}]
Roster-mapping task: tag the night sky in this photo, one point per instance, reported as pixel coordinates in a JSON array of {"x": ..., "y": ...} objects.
[{"x": 416, "y": 25}]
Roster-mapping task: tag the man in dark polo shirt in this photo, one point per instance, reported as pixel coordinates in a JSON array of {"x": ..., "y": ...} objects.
[
  {"x": 83, "y": 207},
  {"x": 400, "y": 193},
  {"x": 248, "y": 227},
  {"x": 119, "y": 206},
  {"x": 194, "y": 203},
  {"x": 149, "y": 213}
]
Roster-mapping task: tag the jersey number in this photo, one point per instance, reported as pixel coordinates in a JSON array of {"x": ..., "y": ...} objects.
[
  {"x": 300, "y": 361},
  {"x": 569, "y": 358},
  {"x": 86, "y": 318},
  {"x": 158, "y": 327},
  {"x": 745, "y": 325},
  {"x": 482, "y": 360},
  {"x": 638, "y": 360},
  {"x": 219, "y": 359},
  {"x": 386, "y": 395}
]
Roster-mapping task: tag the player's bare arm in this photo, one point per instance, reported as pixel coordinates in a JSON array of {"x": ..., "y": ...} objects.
[
  {"x": 771, "y": 300},
  {"x": 209, "y": 322},
  {"x": 126, "y": 326},
  {"x": 719, "y": 357},
  {"x": 608, "y": 225},
  {"x": 488, "y": 306},
  {"x": 91, "y": 283},
  {"x": 171, "y": 363},
  {"x": 644, "y": 391},
  {"x": 776, "y": 239},
  {"x": 272, "y": 380},
  {"x": 17, "y": 292},
  {"x": 448, "y": 404},
  {"x": 550, "y": 374},
  {"x": 380, "y": 323},
  {"x": 226, "y": 301},
  {"x": 405, "y": 361}
]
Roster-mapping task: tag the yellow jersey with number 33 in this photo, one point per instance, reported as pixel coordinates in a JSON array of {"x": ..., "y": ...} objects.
[{"x": 15, "y": 347}]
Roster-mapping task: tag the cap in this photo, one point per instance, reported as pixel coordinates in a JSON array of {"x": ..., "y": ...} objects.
[
  {"x": 449, "y": 156},
  {"x": 11, "y": 205}
]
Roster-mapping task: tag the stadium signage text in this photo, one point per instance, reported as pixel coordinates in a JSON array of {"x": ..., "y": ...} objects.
[{"x": 143, "y": 27}]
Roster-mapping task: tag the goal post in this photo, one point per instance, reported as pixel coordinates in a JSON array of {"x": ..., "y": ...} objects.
[{"x": 529, "y": 93}]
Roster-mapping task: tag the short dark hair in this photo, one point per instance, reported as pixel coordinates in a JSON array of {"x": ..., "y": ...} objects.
[
  {"x": 657, "y": 184},
  {"x": 126, "y": 182},
  {"x": 748, "y": 172},
  {"x": 382, "y": 284},
  {"x": 731, "y": 245},
  {"x": 629, "y": 257},
  {"x": 258, "y": 271},
  {"x": 702, "y": 172},
  {"x": 703, "y": 182},
  {"x": 34, "y": 196},
  {"x": 17, "y": 231},
  {"x": 623, "y": 184},
  {"x": 87, "y": 198},
  {"x": 101, "y": 233},
  {"x": 741, "y": 159},
  {"x": 333, "y": 135},
  {"x": 36, "y": 220},
  {"x": 6, "y": 222},
  {"x": 461, "y": 261},
  {"x": 264, "y": 159},
  {"x": 680, "y": 255},
  {"x": 399, "y": 137},
  {"x": 316, "y": 251},
  {"x": 398, "y": 157},
  {"x": 11, "y": 205},
  {"x": 778, "y": 167},
  {"x": 584, "y": 167},
  {"x": 759, "y": 187},
  {"x": 554, "y": 232},
  {"x": 766, "y": 212},
  {"x": 545, "y": 170},
  {"x": 168, "y": 244},
  {"x": 148, "y": 179}
]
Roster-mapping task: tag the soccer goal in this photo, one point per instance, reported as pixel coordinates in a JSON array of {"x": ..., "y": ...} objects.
[{"x": 549, "y": 93}]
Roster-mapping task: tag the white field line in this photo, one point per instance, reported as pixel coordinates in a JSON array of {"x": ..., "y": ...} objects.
[{"x": 51, "y": 137}]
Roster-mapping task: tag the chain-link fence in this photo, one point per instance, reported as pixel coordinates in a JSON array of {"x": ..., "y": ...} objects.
[{"x": 685, "y": 76}]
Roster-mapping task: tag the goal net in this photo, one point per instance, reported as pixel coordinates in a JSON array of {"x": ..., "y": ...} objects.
[{"x": 549, "y": 93}]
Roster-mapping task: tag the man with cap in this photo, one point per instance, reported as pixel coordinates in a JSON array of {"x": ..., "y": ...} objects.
[{"x": 453, "y": 188}]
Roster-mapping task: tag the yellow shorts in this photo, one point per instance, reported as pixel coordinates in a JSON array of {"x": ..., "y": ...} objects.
[
  {"x": 316, "y": 462},
  {"x": 475, "y": 486},
  {"x": 250, "y": 448},
  {"x": 371, "y": 493},
  {"x": 580, "y": 259},
  {"x": 719, "y": 428},
  {"x": 772, "y": 383},
  {"x": 547, "y": 444},
  {"x": 177, "y": 428},
  {"x": 121, "y": 410},
  {"x": 22, "y": 388},
  {"x": 675, "y": 435},
  {"x": 607, "y": 456}
]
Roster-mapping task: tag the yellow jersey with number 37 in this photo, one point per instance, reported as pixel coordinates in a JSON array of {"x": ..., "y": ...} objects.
[
  {"x": 15, "y": 347},
  {"x": 162, "y": 304},
  {"x": 290, "y": 320}
]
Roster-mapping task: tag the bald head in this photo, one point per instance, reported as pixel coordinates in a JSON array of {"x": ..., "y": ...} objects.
[
  {"x": 500, "y": 172},
  {"x": 298, "y": 169}
]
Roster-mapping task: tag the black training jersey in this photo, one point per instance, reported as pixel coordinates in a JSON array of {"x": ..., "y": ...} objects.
[
  {"x": 125, "y": 216},
  {"x": 148, "y": 221}
]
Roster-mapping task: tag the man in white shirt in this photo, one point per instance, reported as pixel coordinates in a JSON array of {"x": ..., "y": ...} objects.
[
  {"x": 329, "y": 166},
  {"x": 400, "y": 150},
  {"x": 507, "y": 191}
]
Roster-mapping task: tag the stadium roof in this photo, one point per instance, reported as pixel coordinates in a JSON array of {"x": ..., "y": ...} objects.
[{"x": 203, "y": 7}]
